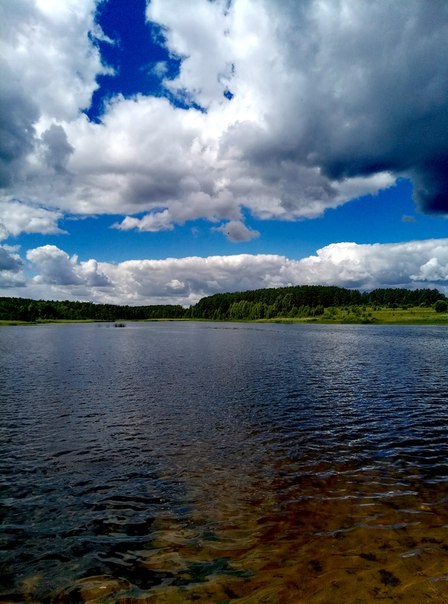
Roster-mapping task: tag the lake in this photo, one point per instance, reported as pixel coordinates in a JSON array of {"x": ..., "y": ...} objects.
[{"x": 218, "y": 462}]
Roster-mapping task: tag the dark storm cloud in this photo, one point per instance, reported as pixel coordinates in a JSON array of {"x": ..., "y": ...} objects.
[{"x": 368, "y": 93}]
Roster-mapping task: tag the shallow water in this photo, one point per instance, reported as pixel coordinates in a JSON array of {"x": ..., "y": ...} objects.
[{"x": 177, "y": 462}]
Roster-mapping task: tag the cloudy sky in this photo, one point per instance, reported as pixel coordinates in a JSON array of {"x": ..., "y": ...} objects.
[{"x": 156, "y": 153}]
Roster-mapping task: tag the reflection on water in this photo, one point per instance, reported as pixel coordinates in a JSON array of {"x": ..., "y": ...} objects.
[{"x": 177, "y": 462}]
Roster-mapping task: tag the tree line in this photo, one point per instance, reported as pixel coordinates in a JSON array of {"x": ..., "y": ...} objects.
[
  {"x": 305, "y": 301},
  {"x": 22, "y": 309},
  {"x": 296, "y": 301}
]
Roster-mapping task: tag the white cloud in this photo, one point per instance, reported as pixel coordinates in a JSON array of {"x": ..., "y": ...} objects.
[
  {"x": 91, "y": 274},
  {"x": 12, "y": 284},
  {"x": 48, "y": 71},
  {"x": 17, "y": 217},
  {"x": 379, "y": 265},
  {"x": 199, "y": 32},
  {"x": 160, "y": 68},
  {"x": 55, "y": 267},
  {"x": 317, "y": 115},
  {"x": 184, "y": 280},
  {"x": 157, "y": 221},
  {"x": 318, "y": 91},
  {"x": 47, "y": 52}
]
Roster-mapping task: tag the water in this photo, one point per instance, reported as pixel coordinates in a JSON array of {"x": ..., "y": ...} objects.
[{"x": 177, "y": 462}]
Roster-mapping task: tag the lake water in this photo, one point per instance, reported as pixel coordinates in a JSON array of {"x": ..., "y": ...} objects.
[{"x": 207, "y": 462}]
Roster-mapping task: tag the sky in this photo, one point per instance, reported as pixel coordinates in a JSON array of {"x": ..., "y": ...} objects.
[{"x": 156, "y": 153}]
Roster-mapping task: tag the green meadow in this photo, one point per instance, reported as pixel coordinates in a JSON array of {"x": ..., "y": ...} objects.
[{"x": 372, "y": 315}]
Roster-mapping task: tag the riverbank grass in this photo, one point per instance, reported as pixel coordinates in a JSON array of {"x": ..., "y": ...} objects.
[
  {"x": 333, "y": 315},
  {"x": 372, "y": 315}
]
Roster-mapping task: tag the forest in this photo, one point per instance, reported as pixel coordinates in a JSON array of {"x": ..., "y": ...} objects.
[
  {"x": 305, "y": 301},
  {"x": 23, "y": 309},
  {"x": 293, "y": 302}
]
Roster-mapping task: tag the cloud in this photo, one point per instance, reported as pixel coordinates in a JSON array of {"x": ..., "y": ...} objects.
[
  {"x": 47, "y": 51},
  {"x": 18, "y": 116},
  {"x": 160, "y": 68},
  {"x": 55, "y": 267},
  {"x": 91, "y": 274},
  {"x": 185, "y": 280},
  {"x": 157, "y": 221},
  {"x": 235, "y": 230},
  {"x": 318, "y": 90},
  {"x": 56, "y": 148},
  {"x": 9, "y": 259},
  {"x": 370, "y": 266},
  {"x": 10, "y": 268},
  {"x": 326, "y": 104},
  {"x": 17, "y": 217},
  {"x": 48, "y": 71}
]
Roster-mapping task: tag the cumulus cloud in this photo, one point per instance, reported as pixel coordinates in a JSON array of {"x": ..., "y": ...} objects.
[
  {"x": 55, "y": 267},
  {"x": 235, "y": 230},
  {"x": 157, "y": 221},
  {"x": 47, "y": 52},
  {"x": 370, "y": 266},
  {"x": 329, "y": 100},
  {"x": 325, "y": 85},
  {"x": 48, "y": 71},
  {"x": 17, "y": 217},
  {"x": 56, "y": 275}
]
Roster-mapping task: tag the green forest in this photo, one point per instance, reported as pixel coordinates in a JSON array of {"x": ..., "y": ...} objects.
[
  {"x": 286, "y": 302},
  {"x": 23, "y": 309}
]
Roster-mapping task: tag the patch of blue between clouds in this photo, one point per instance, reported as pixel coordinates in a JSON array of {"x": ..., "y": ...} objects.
[
  {"x": 369, "y": 219},
  {"x": 137, "y": 55}
]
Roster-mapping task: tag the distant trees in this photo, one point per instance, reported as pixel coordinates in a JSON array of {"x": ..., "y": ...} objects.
[
  {"x": 306, "y": 301},
  {"x": 21, "y": 309},
  {"x": 402, "y": 297},
  {"x": 297, "y": 301}
]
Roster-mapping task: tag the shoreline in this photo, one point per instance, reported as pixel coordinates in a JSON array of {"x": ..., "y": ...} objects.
[{"x": 424, "y": 316}]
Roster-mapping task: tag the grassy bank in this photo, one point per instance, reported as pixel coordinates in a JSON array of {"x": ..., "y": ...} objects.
[
  {"x": 377, "y": 316},
  {"x": 46, "y": 321},
  {"x": 333, "y": 315}
]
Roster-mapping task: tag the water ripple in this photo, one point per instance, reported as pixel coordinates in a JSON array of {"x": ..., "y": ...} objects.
[{"x": 217, "y": 463}]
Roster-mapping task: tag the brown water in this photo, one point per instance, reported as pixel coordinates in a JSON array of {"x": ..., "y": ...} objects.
[{"x": 199, "y": 462}]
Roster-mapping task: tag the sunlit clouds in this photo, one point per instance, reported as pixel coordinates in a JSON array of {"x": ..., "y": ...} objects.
[
  {"x": 186, "y": 280},
  {"x": 316, "y": 115},
  {"x": 279, "y": 111}
]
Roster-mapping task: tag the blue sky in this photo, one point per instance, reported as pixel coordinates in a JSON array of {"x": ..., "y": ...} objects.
[
  {"x": 388, "y": 217},
  {"x": 160, "y": 152}
]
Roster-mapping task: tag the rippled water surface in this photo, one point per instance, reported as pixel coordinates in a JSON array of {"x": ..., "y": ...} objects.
[{"x": 177, "y": 462}]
